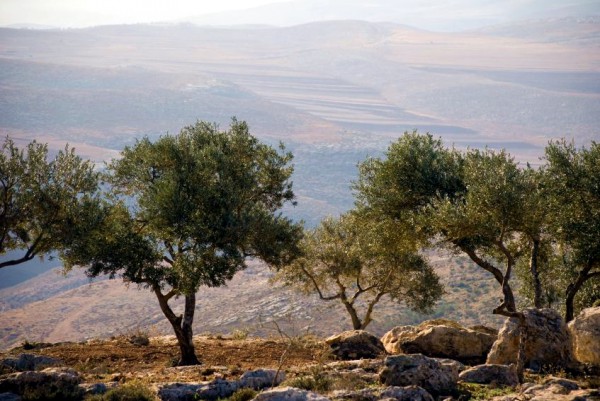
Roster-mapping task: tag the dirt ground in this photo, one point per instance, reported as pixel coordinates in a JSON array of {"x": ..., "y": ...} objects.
[{"x": 119, "y": 359}]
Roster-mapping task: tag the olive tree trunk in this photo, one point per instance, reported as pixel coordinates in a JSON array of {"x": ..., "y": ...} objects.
[{"x": 182, "y": 326}]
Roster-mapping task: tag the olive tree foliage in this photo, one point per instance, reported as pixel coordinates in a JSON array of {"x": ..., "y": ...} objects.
[
  {"x": 356, "y": 262},
  {"x": 188, "y": 211},
  {"x": 488, "y": 222},
  {"x": 537, "y": 253},
  {"x": 42, "y": 200},
  {"x": 475, "y": 202},
  {"x": 416, "y": 170},
  {"x": 572, "y": 187}
]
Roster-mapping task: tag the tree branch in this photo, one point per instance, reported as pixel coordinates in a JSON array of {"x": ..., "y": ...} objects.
[
  {"x": 372, "y": 304},
  {"x": 163, "y": 301},
  {"x": 482, "y": 263},
  {"x": 30, "y": 254},
  {"x": 316, "y": 285}
]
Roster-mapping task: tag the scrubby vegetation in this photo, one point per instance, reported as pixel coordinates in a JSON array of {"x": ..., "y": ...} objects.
[
  {"x": 189, "y": 210},
  {"x": 134, "y": 391}
]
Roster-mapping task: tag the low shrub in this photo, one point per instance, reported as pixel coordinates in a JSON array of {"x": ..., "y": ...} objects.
[{"x": 133, "y": 391}]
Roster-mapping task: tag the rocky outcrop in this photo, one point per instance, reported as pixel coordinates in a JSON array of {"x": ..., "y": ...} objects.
[
  {"x": 28, "y": 362},
  {"x": 547, "y": 341},
  {"x": 48, "y": 384},
  {"x": 408, "y": 393},
  {"x": 505, "y": 375},
  {"x": 355, "y": 344},
  {"x": 261, "y": 378},
  {"x": 441, "y": 339},
  {"x": 177, "y": 391},
  {"x": 97, "y": 388},
  {"x": 585, "y": 336},
  {"x": 219, "y": 388},
  {"x": 289, "y": 394},
  {"x": 453, "y": 365},
  {"x": 366, "y": 394},
  {"x": 484, "y": 329},
  {"x": 554, "y": 389},
  {"x": 392, "y": 340},
  {"x": 418, "y": 370}
]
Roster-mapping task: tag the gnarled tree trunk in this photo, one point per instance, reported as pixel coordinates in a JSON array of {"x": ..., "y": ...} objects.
[
  {"x": 533, "y": 267},
  {"x": 584, "y": 275},
  {"x": 182, "y": 326}
]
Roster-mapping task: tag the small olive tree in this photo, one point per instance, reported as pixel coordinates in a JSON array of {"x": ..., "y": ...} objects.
[
  {"x": 357, "y": 261},
  {"x": 476, "y": 202},
  {"x": 43, "y": 200},
  {"x": 188, "y": 210},
  {"x": 572, "y": 182},
  {"x": 487, "y": 220}
]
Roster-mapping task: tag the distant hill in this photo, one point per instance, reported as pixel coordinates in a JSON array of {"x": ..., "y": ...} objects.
[
  {"x": 436, "y": 16},
  {"x": 567, "y": 30},
  {"x": 14, "y": 275},
  {"x": 334, "y": 92}
]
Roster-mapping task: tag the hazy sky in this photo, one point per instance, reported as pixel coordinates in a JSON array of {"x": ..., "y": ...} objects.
[
  {"x": 79, "y": 13},
  {"x": 443, "y": 15}
]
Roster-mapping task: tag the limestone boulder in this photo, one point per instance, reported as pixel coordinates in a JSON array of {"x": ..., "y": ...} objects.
[
  {"x": 28, "y": 362},
  {"x": 557, "y": 389},
  {"x": 505, "y": 375},
  {"x": 219, "y": 388},
  {"x": 97, "y": 388},
  {"x": 289, "y": 394},
  {"x": 355, "y": 344},
  {"x": 50, "y": 383},
  {"x": 547, "y": 341},
  {"x": 455, "y": 366},
  {"x": 261, "y": 378},
  {"x": 177, "y": 391},
  {"x": 418, "y": 370},
  {"x": 441, "y": 339},
  {"x": 408, "y": 393},
  {"x": 484, "y": 329},
  {"x": 395, "y": 393},
  {"x": 366, "y": 394},
  {"x": 392, "y": 340},
  {"x": 585, "y": 336}
]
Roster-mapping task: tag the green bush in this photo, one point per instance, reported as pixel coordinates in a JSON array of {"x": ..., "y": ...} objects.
[
  {"x": 129, "y": 392},
  {"x": 243, "y": 394},
  {"x": 51, "y": 392},
  {"x": 240, "y": 334},
  {"x": 318, "y": 381},
  {"x": 473, "y": 391}
]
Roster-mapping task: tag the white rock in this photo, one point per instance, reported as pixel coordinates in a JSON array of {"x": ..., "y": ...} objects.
[
  {"x": 289, "y": 394},
  {"x": 585, "y": 336}
]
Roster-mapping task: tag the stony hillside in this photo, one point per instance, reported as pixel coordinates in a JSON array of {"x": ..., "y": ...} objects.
[
  {"x": 53, "y": 308},
  {"x": 232, "y": 364}
]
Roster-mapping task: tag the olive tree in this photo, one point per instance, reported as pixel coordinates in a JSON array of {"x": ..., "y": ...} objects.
[
  {"x": 572, "y": 182},
  {"x": 43, "y": 199},
  {"x": 416, "y": 170},
  {"x": 488, "y": 220},
  {"x": 357, "y": 261},
  {"x": 188, "y": 210},
  {"x": 476, "y": 202},
  {"x": 473, "y": 202}
]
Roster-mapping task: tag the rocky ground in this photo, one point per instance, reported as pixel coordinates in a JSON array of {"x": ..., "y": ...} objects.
[{"x": 307, "y": 364}]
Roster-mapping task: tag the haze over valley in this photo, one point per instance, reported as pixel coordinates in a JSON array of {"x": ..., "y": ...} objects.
[{"x": 334, "y": 92}]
